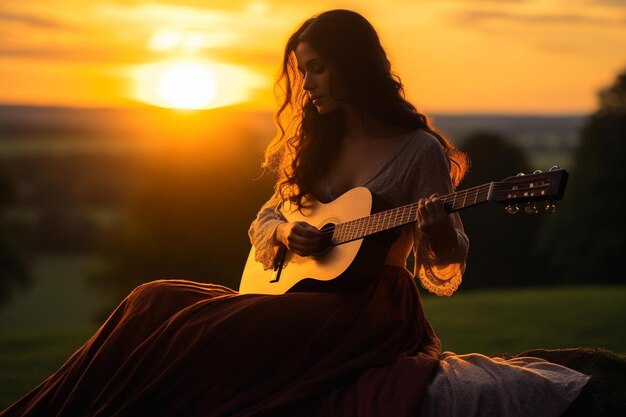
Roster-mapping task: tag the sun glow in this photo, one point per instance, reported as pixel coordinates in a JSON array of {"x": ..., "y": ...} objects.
[
  {"x": 194, "y": 84},
  {"x": 187, "y": 85}
]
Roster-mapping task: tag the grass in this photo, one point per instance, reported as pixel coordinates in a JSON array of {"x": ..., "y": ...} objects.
[
  {"x": 488, "y": 322},
  {"x": 27, "y": 358},
  {"x": 58, "y": 297},
  {"x": 514, "y": 320}
]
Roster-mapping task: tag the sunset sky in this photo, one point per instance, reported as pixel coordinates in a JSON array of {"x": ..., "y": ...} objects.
[{"x": 507, "y": 56}]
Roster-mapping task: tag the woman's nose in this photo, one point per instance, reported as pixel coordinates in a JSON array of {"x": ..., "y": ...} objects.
[{"x": 308, "y": 83}]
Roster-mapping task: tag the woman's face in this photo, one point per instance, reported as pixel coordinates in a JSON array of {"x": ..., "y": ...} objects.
[{"x": 316, "y": 73}]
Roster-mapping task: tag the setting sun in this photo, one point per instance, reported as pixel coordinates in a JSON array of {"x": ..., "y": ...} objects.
[
  {"x": 187, "y": 86},
  {"x": 193, "y": 84}
]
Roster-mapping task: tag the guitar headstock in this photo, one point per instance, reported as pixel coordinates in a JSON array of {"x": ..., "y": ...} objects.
[{"x": 528, "y": 189}]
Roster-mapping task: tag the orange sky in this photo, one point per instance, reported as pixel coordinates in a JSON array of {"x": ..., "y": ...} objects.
[{"x": 507, "y": 56}]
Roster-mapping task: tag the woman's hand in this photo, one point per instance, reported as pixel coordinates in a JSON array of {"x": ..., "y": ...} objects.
[
  {"x": 433, "y": 220},
  {"x": 299, "y": 237}
]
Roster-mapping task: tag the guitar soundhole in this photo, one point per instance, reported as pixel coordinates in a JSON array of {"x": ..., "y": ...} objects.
[{"x": 326, "y": 242}]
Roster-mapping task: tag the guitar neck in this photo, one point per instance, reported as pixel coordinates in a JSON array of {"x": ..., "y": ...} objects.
[{"x": 399, "y": 216}]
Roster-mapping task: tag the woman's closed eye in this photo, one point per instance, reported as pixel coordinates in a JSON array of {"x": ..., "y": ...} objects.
[
  {"x": 315, "y": 68},
  {"x": 318, "y": 68}
]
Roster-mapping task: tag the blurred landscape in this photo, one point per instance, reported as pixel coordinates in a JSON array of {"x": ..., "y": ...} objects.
[
  {"x": 101, "y": 200},
  {"x": 82, "y": 178}
]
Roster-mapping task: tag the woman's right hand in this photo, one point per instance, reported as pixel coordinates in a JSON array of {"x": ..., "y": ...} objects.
[{"x": 299, "y": 237}]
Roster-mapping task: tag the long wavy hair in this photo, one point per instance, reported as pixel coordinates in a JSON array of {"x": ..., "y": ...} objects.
[{"x": 307, "y": 142}]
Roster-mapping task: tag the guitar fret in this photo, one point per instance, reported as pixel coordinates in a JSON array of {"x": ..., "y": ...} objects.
[
  {"x": 374, "y": 226},
  {"x": 385, "y": 223}
]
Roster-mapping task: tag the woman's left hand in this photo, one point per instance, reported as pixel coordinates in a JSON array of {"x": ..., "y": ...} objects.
[{"x": 433, "y": 220}]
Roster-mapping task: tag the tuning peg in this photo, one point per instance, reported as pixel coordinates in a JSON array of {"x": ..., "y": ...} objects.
[
  {"x": 512, "y": 209},
  {"x": 538, "y": 171},
  {"x": 555, "y": 167},
  {"x": 550, "y": 207},
  {"x": 531, "y": 208}
]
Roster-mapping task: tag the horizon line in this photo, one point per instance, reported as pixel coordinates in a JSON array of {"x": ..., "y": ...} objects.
[{"x": 239, "y": 107}]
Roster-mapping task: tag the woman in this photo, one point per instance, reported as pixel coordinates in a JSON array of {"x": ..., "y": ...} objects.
[
  {"x": 348, "y": 125},
  {"x": 190, "y": 349}
]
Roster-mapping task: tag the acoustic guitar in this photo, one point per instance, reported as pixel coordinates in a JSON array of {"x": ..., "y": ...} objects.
[{"x": 359, "y": 227}]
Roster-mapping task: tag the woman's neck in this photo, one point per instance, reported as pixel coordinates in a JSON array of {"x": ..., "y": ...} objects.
[{"x": 366, "y": 128}]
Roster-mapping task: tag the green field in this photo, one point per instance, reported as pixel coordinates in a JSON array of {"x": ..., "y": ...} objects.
[
  {"x": 488, "y": 322},
  {"x": 514, "y": 320}
]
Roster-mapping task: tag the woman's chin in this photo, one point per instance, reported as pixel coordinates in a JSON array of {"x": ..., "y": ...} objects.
[{"x": 325, "y": 110}]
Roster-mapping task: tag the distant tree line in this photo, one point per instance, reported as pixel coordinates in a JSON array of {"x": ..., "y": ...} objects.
[
  {"x": 588, "y": 241},
  {"x": 584, "y": 241}
]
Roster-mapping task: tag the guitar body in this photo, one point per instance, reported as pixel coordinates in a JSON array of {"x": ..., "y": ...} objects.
[{"x": 342, "y": 267}]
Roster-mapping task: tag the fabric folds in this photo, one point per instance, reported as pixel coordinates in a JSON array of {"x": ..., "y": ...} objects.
[{"x": 183, "y": 348}]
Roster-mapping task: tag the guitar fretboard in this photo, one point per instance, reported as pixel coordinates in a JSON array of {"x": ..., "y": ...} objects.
[{"x": 399, "y": 216}]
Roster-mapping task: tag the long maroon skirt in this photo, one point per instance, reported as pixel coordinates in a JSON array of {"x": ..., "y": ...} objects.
[{"x": 183, "y": 348}]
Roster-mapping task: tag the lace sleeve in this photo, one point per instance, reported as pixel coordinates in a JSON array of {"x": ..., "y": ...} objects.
[
  {"x": 440, "y": 274},
  {"x": 262, "y": 229}
]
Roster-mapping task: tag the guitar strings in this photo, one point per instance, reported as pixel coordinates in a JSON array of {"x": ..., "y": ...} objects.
[{"x": 407, "y": 214}]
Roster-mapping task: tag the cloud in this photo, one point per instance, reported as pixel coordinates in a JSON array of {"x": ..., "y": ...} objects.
[
  {"x": 123, "y": 34},
  {"x": 614, "y": 3},
  {"x": 200, "y": 4},
  {"x": 30, "y": 20},
  {"x": 476, "y": 17}
]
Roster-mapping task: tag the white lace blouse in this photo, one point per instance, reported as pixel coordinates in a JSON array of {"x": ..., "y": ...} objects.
[{"x": 418, "y": 169}]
